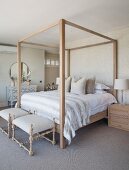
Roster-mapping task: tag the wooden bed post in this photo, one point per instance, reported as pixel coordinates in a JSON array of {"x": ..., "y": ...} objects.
[
  {"x": 115, "y": 69},
  {"x": 62, "y": 82},
  {"x": 68, "y": 62},
  {"x": 19, "y": 74}
]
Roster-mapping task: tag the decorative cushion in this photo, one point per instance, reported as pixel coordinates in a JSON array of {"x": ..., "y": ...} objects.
[
  {"x": 39, "y": 123},
  {"x": 17, "y": 112},
  {"x": 78, "y": 86},
  {"x": 67, "y": 84},
  {"x": 90, "y": 86}
]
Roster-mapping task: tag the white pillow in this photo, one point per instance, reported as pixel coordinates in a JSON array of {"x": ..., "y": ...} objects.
[
  {"x": 97, "y": 91},
  {"x": 100, "y": 86},
  {"x": 78, "y": 86},
  {"x": 90, "y": 83},
  {"x": 67, "y": 84}
]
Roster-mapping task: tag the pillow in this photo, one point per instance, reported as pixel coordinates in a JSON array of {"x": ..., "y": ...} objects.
[
  {"x": 78, "y": 86},
  {"x": 98, "y": 91},
  {"x": 90, "y": 86},
  {"x": 67, "y": 84},
  {"x": 101, "y": 86}
]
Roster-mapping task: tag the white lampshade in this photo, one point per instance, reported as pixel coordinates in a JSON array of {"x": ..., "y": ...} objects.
[
  {"x": 57, "y": 80},
  {"x": 121, "y": 84}
]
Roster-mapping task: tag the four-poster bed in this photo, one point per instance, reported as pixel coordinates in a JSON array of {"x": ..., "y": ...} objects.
[{"x": 62, "y": 23}]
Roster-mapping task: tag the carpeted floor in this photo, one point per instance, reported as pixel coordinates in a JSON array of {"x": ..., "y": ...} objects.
[{"x": 96, "y": 147}]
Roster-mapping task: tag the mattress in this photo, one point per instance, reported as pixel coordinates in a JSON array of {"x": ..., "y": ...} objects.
[{"x": 78, "y": 108}]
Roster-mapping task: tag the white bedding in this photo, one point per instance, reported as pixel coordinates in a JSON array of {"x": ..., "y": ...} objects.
[{"x": 78, "y": 108}]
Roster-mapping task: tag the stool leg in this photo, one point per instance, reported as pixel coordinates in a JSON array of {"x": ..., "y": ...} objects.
[
  {"x": 31, "y": 140},
  {"x": 13, "y": 131},
  {"x": 54, "y": 130},
  {"x": 9, "y": 126},
  {"x": 13, "y": 128}
]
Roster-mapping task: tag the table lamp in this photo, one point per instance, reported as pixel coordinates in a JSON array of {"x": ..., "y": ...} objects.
[
  {"x": 121, "y": 84},
  {"x": 57, "y": 80}
]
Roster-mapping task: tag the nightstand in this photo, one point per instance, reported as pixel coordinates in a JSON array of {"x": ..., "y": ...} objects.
[{"x": 118, "y": 116}]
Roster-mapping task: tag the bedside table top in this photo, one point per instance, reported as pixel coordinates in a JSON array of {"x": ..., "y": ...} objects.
[{"x": 119, "y": 106}]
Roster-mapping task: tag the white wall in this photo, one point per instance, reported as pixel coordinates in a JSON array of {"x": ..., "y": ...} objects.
[
  {"x": 5, "y": 62},
  {"x": 91, "y": 62},
  {"x": 97, "y": 60},
  {"x": 34, "y": 58}
]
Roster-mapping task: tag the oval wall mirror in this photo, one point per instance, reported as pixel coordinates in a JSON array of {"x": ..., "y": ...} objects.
[{"x": 25, "y": 71}]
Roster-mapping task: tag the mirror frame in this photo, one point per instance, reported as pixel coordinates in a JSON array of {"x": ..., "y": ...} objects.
[{"x": 28, "y": 71}]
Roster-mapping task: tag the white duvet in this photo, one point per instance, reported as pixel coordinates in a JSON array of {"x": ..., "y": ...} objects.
[{"x": 78, "y": 108}]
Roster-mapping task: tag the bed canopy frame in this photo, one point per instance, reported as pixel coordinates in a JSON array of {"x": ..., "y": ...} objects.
[{"x": 62, "y": 23}]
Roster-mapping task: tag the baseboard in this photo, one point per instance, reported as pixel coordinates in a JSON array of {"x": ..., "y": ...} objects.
[{"x": 4, "y": 104}]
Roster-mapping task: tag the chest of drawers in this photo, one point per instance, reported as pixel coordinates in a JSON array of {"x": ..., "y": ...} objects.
[
  {"x": 118, "y": 116},
  {"x": 12, "y": 92}
]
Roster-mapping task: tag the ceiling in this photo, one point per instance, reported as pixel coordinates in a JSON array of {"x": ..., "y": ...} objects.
[{"x": 19, "y": 18}]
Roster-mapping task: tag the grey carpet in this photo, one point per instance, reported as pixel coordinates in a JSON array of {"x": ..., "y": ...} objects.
[{"x": 95, "y": 147}]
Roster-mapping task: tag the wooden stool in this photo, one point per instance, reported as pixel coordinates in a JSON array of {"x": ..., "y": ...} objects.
[
  {"x": 9, "y": 115},
  {"x": 36, "y": 126}
]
